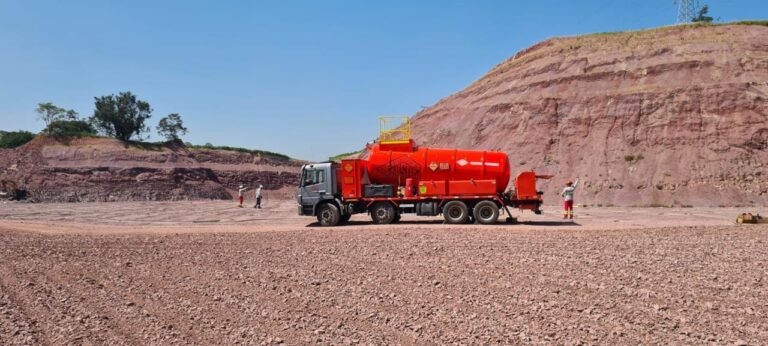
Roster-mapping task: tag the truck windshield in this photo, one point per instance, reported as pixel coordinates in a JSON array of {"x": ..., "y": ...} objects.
[{"x": 313, "y": 176}]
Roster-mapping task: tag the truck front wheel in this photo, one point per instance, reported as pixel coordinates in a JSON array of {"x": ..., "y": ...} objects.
[
  {"x": 455, "y": 212},
  {"x": 328, "y": 215},
  {"x": 383, "y": 213},
  {"x": 486, "y": 212}
]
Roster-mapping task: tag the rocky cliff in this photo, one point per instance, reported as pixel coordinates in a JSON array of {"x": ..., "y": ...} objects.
[
  {"x": 102, "y": 169},
  {"x": 670, "y": 116}
]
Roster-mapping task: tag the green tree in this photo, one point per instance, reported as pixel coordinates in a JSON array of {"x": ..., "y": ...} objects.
[
  {"x": 171, "y": 127},
  {"x": 702, "y": 17},
  {"x": 49, "y": 113},
  {"x": 121, "y": 116},
  {"x": 15, "y": 139}
]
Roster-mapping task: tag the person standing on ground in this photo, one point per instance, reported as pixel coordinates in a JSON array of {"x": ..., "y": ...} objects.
[
  {"x": 567, "y": 194},
  {"x": 258, "y": 196},
  {"x": 240, "y": 194}
]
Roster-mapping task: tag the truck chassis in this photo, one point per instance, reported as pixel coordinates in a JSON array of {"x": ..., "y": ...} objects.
[{"x": 320, "y": 196}]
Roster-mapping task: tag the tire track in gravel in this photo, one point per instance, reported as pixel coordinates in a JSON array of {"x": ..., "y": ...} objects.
[
  {"x": 122, "y": 317},
  {"x": 57, "y": 307},
  {"x": 17, "y": 325},
  {"x": 140, "y": 290},
  {"x": 96, "y": 323},
  {"x": 55, "y": 310}
]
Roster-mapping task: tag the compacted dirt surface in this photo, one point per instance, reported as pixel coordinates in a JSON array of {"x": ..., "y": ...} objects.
[{"x": 210, "y": 273}]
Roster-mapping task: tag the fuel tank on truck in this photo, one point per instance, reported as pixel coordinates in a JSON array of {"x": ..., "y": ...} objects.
[{"x": 392, "y": 164}]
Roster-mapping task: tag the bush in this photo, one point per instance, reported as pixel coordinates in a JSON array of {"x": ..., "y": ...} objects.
[
  {"x": 752, "y": 22},
  {"x": 71, "y": 128},
  {"x": 15, "y": 139},
  {"x": 633, "y": 158}
]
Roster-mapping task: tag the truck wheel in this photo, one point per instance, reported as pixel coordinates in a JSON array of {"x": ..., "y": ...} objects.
[
  {"x": 455, "y": 212},
  {"x": 345, "y": 218},
  {"x": 383, "y": 213},
  {"x": 486, "y": 212},
  {"x": 328, "y": 215}
]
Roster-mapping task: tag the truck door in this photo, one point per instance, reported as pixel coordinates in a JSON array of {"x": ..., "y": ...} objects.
[{"x": 313, "y": 186}]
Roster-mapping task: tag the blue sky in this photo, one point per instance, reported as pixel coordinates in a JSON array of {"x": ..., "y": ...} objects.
[{"x": 305, "y": 78}]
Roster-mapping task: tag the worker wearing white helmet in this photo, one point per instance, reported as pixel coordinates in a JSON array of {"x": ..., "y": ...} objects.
[
  {"x": 567, "y": 194},
  {"x": 240, "y": 193},
  {"x": 258, "y": 196}
]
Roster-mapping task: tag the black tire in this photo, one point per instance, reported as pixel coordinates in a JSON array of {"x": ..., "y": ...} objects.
[
  {"x": 383, "y": 213},
  {"x": 328, "y": 215},
  {"x": 455, "y": 212},
  {"x": 486, "y": 212},
  {"x": 345, "y": 218}
]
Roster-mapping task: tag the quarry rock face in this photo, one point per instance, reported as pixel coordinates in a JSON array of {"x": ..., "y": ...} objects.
[
  {"x": 101, "y": 169},
  {"x": 670, "y": 116}
]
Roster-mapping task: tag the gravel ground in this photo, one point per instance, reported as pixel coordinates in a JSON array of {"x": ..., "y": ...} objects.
[{"x": 411, "y": 284}]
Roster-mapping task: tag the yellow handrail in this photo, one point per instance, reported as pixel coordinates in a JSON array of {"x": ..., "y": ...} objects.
[{"x": 394, "y": 129}]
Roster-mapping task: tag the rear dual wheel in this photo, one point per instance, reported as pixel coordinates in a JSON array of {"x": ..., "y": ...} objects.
[
  {"x": 486, "y": 212},
  {"x": 455, "y": 212},
  {"x": 383, "y": 213}
]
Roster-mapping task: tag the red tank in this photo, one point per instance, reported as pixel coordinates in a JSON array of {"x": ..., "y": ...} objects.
[{"x": 394, "y": 163}]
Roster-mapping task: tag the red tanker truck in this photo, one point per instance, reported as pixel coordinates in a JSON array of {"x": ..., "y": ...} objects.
[{"x": 395, "y": 176}]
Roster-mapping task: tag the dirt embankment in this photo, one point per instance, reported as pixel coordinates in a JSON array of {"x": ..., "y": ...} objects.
[
  {"x": 101, "y": 169},
  {"x": 670, "y": 116}
]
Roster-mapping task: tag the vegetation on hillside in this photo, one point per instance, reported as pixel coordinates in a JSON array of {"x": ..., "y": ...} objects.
[
  {"x": 62, "y": 122},
  {"x": 344, "y": 155},
  {"x": 50, "y": 113},
  {"x": 70, "y": 128},
  {"x": 121, "y": 116},
  {"x": 635, "y": 39},
  {"x": 702, "y": 17},
  {"x": 210, "y": 146},
  {"x": 177, "y": 144},
  {"x": 171, "y": 127},
  {"x": 692, "y": 25},
  {"x": 750, "y": 22},
  {"x": 13, "y": 139}
]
